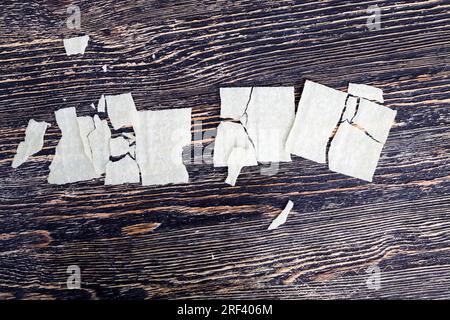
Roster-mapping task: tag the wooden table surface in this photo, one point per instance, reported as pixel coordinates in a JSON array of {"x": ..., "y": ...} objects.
[{"x": 206, "y": 239}]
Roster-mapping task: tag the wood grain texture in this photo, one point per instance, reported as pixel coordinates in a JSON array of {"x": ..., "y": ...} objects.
[{"x": 206, "y": 239}]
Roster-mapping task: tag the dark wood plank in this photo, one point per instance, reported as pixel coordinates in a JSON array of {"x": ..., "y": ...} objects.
[{"x": 205, "y": 239}]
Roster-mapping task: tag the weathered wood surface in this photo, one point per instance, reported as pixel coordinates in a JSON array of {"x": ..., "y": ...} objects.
[{"x": 212, "y": 240}]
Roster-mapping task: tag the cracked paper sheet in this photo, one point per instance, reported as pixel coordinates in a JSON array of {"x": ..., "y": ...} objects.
[
  {"x": 365, "y": 91},
  {"x": 121, "y": 110},
  {"x": 70, "y": 163},
  {"x": 76, "y": 45},
  {"x": 266, "y": 113},
  {"x": 354, "y": 153},
  {"x": 33, "y": 143},
  {"x": 319, "y": 111},
  {"x": 356, "y": 147},
  {"x": 99, "y": 143},
  {"x": 282, "y": 217},
  {"x": 122, "y": 171},
  {"x": 160, "y": 138},
  {"x": 119, "y": 146}
]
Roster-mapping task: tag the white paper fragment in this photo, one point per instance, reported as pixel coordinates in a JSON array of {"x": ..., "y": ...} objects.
[
  {"x": 99, "y": 143},
  {"x": 160, "y": 138},
  {"x": 86, "y": 125},
  {"x": 92, "y": 106},
  {"x": 238, "y": 158},
  {"x": 229, "y": 136},
  {"x": 282, "y": 217},
  {"x": 76, "y": 45},
  {"x": 122, "y": 171},
  {"x": 70, "y": 163},
  {"x": 319, "y": 111},
  {"x": 119, "y": 146},
  {"x": 101, "y": 104},
  {"x": 350, "y": 109},
  {"x": 105, "y": 68},
  {"x": 121, "y": 110},
  {"x": 267, "y": 113},
  {"x": 354, "y": 153},
  {"x": 375, "y": 119},
  {"x": 365, "y": 91},
  {"x": 33, "y": 143}
]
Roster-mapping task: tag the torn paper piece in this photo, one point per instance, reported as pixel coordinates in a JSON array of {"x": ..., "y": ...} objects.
[
  {"x": 319, "y": 111},
  {"x": 76, "y": 45},
  {"x": 119, "y": 146},
  {"x": 101, "y": 104},
  {"x": 236, "y": 161},
  {"x": 375, "y": 119},
  {"x": 350, "y": 109},
  {"x": 267, "y": 114},
  {"x": 229, "y": 136},
  {"x": 105, "y": 68},
  {"x": 92, "y": 106},
  {"x": 121, "y": 110},
  {"x": 70, "y": 163},
  {"x": 160, "y": 138},
  {"x": 122, "y": 171},
  {"x": 354, "y": 153},
  {"x": 99, "y": 143},
  {"x": 33, "y": 143},
  {"x": 86, "y": 125},
  {"x": 365, "y": 91},
  {"x": 282, "y": 217}
]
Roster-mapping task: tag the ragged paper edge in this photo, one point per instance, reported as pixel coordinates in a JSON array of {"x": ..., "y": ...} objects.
[
  {"x": 365, "y": 91},
  {"x": 101, "y": 107},
  {"x": 76, "y": 45},
  {"x": 33, "y": 142},
  {"x": 99, "y": 143},
  {"x": 236, "y": 162},
  {"x": 282, "y": 217}
]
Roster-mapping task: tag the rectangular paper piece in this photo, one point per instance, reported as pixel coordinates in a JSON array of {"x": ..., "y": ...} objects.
[
  {"x": 76, "y": 45},
  {"x": 282, "y": 217},
  {"x": 70, "y": 163},
  {"x": 266, "y": 113},
  {"x": 319, "y": 111},
  {"x": 33, "y": 143},
  {"x": 160, "y": 138}
]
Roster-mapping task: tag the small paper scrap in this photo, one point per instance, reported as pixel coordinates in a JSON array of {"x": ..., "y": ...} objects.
[
  {"x": 282, "y": 217},
  {"x": 76, "y": 45},
  {"x": 33, "y": 143}
]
